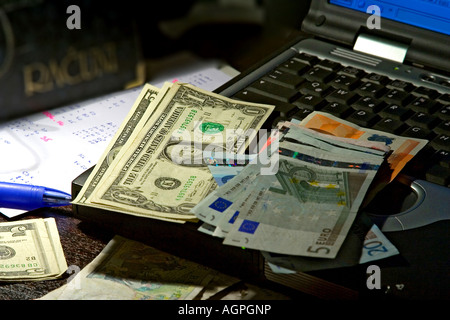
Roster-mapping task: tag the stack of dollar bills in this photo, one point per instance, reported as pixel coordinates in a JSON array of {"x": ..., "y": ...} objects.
[
  {"x": 31, "y": 250},
  {"x": 301, "y": 193},
  {"x": 154, "y": 167}
]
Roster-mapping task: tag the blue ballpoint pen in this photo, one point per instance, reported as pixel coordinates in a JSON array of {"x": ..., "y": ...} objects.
[{"x": 30, "y": 197}]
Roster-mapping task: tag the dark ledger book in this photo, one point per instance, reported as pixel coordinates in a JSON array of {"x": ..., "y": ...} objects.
[{"x": 58, "y": 52}]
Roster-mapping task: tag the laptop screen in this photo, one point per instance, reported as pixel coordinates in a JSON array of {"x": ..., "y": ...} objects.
[{"x": 433, "y": 15}]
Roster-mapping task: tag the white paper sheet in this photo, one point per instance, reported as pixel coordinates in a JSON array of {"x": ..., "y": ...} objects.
[{"x": 53, "y": 147}]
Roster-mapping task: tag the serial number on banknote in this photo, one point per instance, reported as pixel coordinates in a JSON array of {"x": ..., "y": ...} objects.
[{"x": 18, "y": 265}]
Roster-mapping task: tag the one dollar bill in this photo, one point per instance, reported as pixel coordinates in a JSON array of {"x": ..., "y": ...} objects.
[{"x": 30, "y": 250}]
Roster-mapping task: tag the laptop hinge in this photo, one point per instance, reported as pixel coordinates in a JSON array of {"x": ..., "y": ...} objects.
[{"x": 381, "y": 47}]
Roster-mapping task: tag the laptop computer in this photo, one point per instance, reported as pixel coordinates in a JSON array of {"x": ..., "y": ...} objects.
[{"x": 379, "y": 64}]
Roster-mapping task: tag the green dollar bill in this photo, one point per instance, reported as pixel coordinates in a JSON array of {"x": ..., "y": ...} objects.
[{"x": 30, "y": 250}]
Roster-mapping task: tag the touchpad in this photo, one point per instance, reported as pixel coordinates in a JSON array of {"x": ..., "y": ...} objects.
[
  {"x": 402, "y": 207},
  {"x": 395, "y": 198}
]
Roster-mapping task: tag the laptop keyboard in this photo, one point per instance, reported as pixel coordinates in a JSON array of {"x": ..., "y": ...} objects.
[{"x": 305, "y": 83}]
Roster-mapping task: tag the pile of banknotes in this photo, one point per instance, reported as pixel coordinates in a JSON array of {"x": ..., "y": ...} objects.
[
  {"x": 31, "y": 250},
  {"x": 300, "y": 195},
  {"x": 186, "y": 154}
]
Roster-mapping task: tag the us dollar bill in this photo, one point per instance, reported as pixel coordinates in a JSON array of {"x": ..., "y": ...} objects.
[
  {"x": 139, "y": 114},
  {"x": 30, "y": 250},
  {"x": 161, "y": 171}
]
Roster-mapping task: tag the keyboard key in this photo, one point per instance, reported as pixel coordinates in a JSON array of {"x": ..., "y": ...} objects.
[
  {"x": 443, "y": 127},
  {"x": 417, "y": 132},
  {"x": 294, "y": 66},
  {"x": 363, "y": 118},
  {"x": 445, "y": 83},
  {"x": 284, "y": 79},
  {"x": 445, "y": 99},
  {"x": 439, "y": 175},
  {"x": 444, "y": 113},
  {"x": 309, "y": 102},
  {"x": 442, "y": 158},
  {"x": 329, "y": 65},
  {"x": 425, "y": 92},
  {"x": 306, "y": 58},
  {"x": 441, "y": 142},
  {"x": 376, "y": 78},
  {"x": 343, "y": 81},
  {"x": 301, "y": 114},
  {"x": 318, "y": 89},
  {"x": 247, "y": 95},
  {"x": 396, "y": 112},
  {"x": 353, "y": 72},
  {"x": 396, "y": 96},
  {"x": 340, "y": 110},
  {"x": 319, "y": 74},
  {"x": 368, "y": 104},
  {"x": 390, "y": 125},
  {"x": 423, "y": 104},
  {"x": 423, "y": 120},
  {"x": 400, "y": 85},
  {"x": 274, "y": 91},
  {"x": 371, "y": 90},
  {"x": 342, "y": 96}
]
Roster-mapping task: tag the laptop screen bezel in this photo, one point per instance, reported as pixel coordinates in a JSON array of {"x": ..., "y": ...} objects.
[{"x": 343, "y": 25}]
